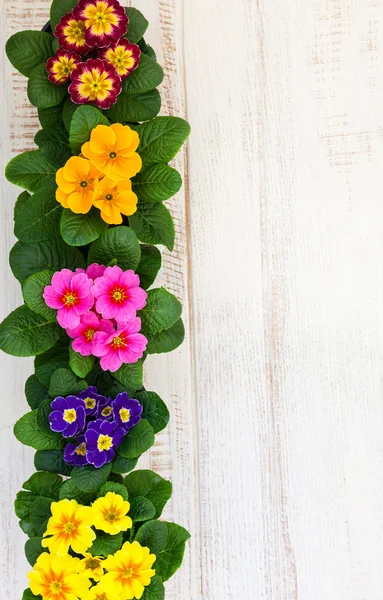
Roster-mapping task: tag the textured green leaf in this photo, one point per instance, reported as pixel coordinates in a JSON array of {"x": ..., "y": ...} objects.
[
  {"x": 31, "y": 170},
  {"x": 39, "y": 219},
  {"x": 141, "y": 509},
  {"x": 53, "y": 142},
  {"x": 80, "y": 365},
  {"x": 154, "y": 410},
  {"x": 25, "y": 333},
  {"x": 106, "y": 544},
  {"x": 51, "y": 116},
  {"x": 161, "y": 312},
  {"x": 137, "y": 25},
  {"x": 84, "y": 120},
  {"x": 72, "y": 492},
  {"x": 147, "y": 49},
  {"x": 119, "y": 243},
  {"x": 89, "y": 479},
  {"x": 60, "y": 8},
  {"x": 79, "y": 230},
  {"x": 153, "y": 535},
  {"x": 117, "y": 488},
  {"x": 161, "y": 139},
  {"x": 64, "y": 383},
  {"x": 42, "y": 417},
  {"x": 167, "y": 341},
  {"x": 28, "y": 433},
  {"x": 135, "y": 109},
  {"x": 170, "y": 559},
  {"x": 42, "y": 92},
  {"x": 149, "y": 265},
  {"x": 151, "y": 485},
  {"x": 40, "y": 514},
  {"x": 123, "y": 465},
  {"x": 145, "y": 78},
  {"x": 137, "y": 441},
  {"x": 49, "y": 362},
  {"x": 53, "y": 255},
  {"x": 23, "y": 503},
  {"x": 68, "y": 111},
  {"x": 155, "y": 590},
  {"x": 52, "y": 461},
  {"x": 33, "y": 549},
  {"x": 130, "y": 376},
  {"x": 27, "y": 595},
  {"x": 33, "y": 289},
  {"x": 35, "y": 392},
  {"x": 28, "y": 49},
  {"x": 21, "y": 200},
  {"x": 153, "y": 224},
  {"x": 44, "y": 484},
  {"x": 157, "y": 183}
]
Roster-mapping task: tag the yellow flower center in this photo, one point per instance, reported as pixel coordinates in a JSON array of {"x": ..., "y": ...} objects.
[
  {"x": 90, "y": 403},
  {"x": 104, "y": 442},
  {"x": 94, "y": 84},
  {"x": 125, "y": 415},
  {"x": 68, "y": 527},
  {"x": 121, "y": 58},
  {"x": 89, "y": 334},
  {"x": 118, "y": 342},
  {"x": 92, "y": 563},
  {"x": 127, "y": 573},
  {"x": 84, "y": 184},
  {"x": 81, "y": 450},
  {"x": 55, "y": 587},
  {"x": 108, "y": 197},
  {"x": 112, "y": 155},
  {"x": 106, "y": 411},
  {"x": 118, "y": 294},
  {"x": 74, "y": 32},
  {"x": 69, "y": 299},
  {"x": 111, "y": 516},
  {"x": 70, "y": 415}
]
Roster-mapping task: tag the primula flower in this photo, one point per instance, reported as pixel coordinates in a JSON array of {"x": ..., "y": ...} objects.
[
  {"x": 92, "y": 400},
  {"x": 68, "y": 416},
  {"x": 124, "y": 57},
  {"x": 92, "y": 566},
  {"x": 123, "y": 346},
  {"x": 76, "y": 183},
  {"x": 95, "y": 270},
  {"x": 70, "y": 33},
  {"x": 83, "y": 334},
  {"x": 110, "y": 514},
  {"x": 69, "y": 293},
  {"x": 126, "y": 411},
  {"x": 113, "y": 151},
  {"x": 118, "y": 294},
  {"x": 75, "y": 454},
  {"x": 129, "y": 571},
  {"x": 58, "y": 578},
  {"x": 105, "y": 21},
  {"x": 98, "y": 593},
  {"x": 61, "y": 65},
  {"x": 115, "y": 199},
  {"x": 105, "y": 409},
  {"x": 95, "y": 81},
  {"x": 70, "y": 526},
  {"x": 102, "y": 438}
]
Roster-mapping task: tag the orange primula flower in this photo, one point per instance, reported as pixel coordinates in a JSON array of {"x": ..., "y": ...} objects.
[
  {"x": 115, "y": 199},
  {"x": 76, "y": 184}
]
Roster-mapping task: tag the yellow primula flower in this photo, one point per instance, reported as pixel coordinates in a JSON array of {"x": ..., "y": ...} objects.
[
  {"x": 76, "y": 182},
  {"x": 129, "y": 571},
  {"x": 109, "y": 513},
  {"x": 98, "y": 593},
  {"x": 92, "y": 566},
  {"x": 113, "y": 151},
  {"x": 69, "y": 526},
  {"x": 115, "y": 199},
  {"x": 58, "y": 578}
]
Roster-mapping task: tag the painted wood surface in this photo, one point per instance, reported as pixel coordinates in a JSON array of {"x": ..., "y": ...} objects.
[{"x": 275, "y": 444}]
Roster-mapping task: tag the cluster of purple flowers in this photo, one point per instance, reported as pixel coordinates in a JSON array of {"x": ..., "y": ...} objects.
[{"x": 97, "y": 423}]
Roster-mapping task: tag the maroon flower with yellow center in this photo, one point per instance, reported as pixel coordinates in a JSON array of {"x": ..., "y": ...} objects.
[
  {"x": 70, "y": 33},
  {"x": 105, "y": 21},
  {"x": 124, "y": 57},
  {"x": 95, "y": 81},
  {"x": 61, "y": 65}
]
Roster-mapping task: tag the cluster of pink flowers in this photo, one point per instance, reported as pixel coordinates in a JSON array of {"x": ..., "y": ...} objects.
[{"x": 98, "y": 309}]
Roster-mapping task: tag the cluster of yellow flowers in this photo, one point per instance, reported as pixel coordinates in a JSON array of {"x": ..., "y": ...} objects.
[
  {"x": 59, "y": 576},
  {"x": 101, "y": 175}
]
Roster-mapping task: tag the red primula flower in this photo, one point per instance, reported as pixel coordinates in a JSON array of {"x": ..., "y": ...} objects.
[
  {"x": 95, "y": 81},
  {"x": 124, "y": 56},
  {"x": 61, "y": 66},
  {"x": 70, "y": 33},
  {"x": 105, "y": 21}
]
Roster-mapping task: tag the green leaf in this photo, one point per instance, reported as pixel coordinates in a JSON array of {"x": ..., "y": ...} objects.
[
  {"x": 135, "y": 109},
  {"x": 35, "y": 392},
  {"x": 64, "y": 383},
  {"x": 161, "y": 312},
  {"x": 53, "y": 142},
  {"x": 154, "y": 410},
  {"x": 39, "y": 219},
  {"x": 155, "y": 590},
  {"x": 137, "y": 25},
  {"x": 49, "y": 362},
  {"x": 28, "y": 433},
  {"x": 149, "y": 265},
  {"x": 111, "y": 486},
  {"x": 23, "y": 503},
  {"x": 27, "y": 528},
  {"x": 79, "y": 230},
  {"x": 151, "y": 485},
  {"x": 153, "y": 224},
  {"x": 123, "y": 465},
  {"x": 42, "y": 92},
  {"x": 25, "y": 333},
  {"x": 44, "y": 484},
  {"x": 27, "y": 595},
  {"x": 42, "y": 417},
  {"x": 138, "y": 440},
  {"x": 84, "y": 120},
  {"x": 53, "y": 255},
  {"x": 170, "y": 559},
  {"x": 167, "y": 341},
  {"x": 33, "y": 289},
  {"x": 80, "y": 365},
  {"x": 153, "y": 535},
  {"x": 161, "y": 139},
  {"x": 106, "y": 544},
  {"x": 31, "y": 170},
  {"x": 118, "y": 243},
  {"x": 60, "y": 8},
  {"x": 72, "y": 492},
  {"x": 147, "y": 49},
  {"x": 68, "y": 111},
  {"x": 115, "y": 478},
  {"x": 20, "y": 202},
  {"x": 145, "y": 78},
  {"x": 52, "y": 461},
  {"x": 130, "y": 376},
  {"x": 28, "y": 49},
  {"x": 157, "y": 183},
  {"x": 51, "y": 116},
  {"x": 141, "y": 509},
  {"x": 89, "y": 479},
  {"x": 40, "y": 514},
  {"x": 33, "y": 549}
]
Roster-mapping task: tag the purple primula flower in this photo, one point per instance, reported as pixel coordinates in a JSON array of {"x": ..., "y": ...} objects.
[
  {"x": 105, "y": 409},
  {"x": 102, "y": 438},
  {"x": 75, "y": 454},
  {"x": 126, "y": 411},
  {"x": 92, "y": 400},
  {"x": 67, "y": 416}
]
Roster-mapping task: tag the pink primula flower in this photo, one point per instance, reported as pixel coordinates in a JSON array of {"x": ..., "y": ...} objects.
[
  {"x": 83, "y": 334},
  {"x": 118, "y": 295},
  {"x": 70, "y": 294},
  {"x": 93, "y": 271},
  {"x": 123, "y": 346}
]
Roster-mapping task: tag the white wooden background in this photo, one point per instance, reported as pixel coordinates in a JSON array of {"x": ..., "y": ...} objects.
[{"x": 275, "y": 446}]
